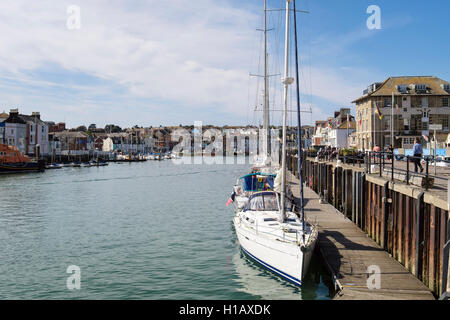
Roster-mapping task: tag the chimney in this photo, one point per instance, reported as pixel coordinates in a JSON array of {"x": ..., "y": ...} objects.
[
  {"x": 14, "y": 112},
  {"x": 37, "y": 115}
]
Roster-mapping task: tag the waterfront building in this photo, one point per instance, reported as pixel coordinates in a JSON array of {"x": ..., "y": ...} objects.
[
  {"x": 59, "y": 127},
  {"x": 162, "y": 139},
  {"x": 338, "y": 135},
  {"x": 54, "y": 144},
  {"x": 15, "y": 132},
  {"x": 36, "y": 135},
  {"x": 72, "y": 141},
  {"x": 418, "y": 103},
  {"x": 2, "y": 132},
  {"x": 28, "y": 133},
  {"x": 108, "y": 145},
  {"x": 352, "y": 141},
  {"x": 320, "y": 137},
  {"x": 3, "y": 116},
  {"x": 307, "y": 133},
  {"x": 340, "y": 117}
]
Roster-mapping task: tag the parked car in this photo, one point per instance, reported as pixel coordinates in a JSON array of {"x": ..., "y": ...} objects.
[{"x": 443, "y": 162}]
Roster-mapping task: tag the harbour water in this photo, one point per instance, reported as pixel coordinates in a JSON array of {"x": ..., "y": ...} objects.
[{"x": 152, "y": 230}]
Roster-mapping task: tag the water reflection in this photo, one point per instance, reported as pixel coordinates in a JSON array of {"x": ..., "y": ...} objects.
[{"x": 257, "y": 281}]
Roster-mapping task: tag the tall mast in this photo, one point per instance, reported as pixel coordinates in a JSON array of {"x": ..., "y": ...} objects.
[
  {"x": 299, "y": 126},
  {"x": 286, "y": 80},
  {"x": 266, "y": 87}
]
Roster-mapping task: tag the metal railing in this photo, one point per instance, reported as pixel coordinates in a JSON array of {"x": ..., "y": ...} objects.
[{"x": 389, "y": 162}]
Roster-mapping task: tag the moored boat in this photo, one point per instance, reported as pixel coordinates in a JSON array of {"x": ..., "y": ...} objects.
[
  {"x": 268, "y": 228},
  {"x": 13, "y": 161},
  {"x": 53, "y": 166}
]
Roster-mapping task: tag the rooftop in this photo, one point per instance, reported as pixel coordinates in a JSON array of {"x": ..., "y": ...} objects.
[{"x": 407, "y": 86}]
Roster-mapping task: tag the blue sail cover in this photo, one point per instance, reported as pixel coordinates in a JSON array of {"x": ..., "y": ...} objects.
[{"x": 257, "y": 182}]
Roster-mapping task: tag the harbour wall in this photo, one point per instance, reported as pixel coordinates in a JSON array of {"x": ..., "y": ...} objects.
[{"x": 412, "y": 225}]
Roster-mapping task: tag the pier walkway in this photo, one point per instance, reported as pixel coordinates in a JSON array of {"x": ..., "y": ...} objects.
[{"x": 349, "y": 252}]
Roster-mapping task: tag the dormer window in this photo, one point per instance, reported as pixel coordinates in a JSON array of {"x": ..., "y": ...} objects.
[
  {"x": 420, "y": 88},
  {"x": 446, "y": 87},
  {"x": 402, "y": 88}
]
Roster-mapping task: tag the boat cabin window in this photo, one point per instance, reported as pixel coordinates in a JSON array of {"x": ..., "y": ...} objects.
[{"x": 263, "y": 202}]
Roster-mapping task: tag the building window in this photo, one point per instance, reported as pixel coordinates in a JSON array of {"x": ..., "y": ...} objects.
[
  {"x": 445, "y": 102},
  {"x": 387, "y": 103}
]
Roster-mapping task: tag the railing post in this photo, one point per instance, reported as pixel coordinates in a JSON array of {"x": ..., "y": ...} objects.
[
  {"x": 407, "y": 170},
  {"x": 419, "y": 236},
  {"x": 445, "y": 269},
  {"x": 381, "y": 163},
  {"x": 366, "y": 162},
  {"x": 427, "y": 173},
  {"x": 392, "y": 174},
  {"x": 385, "y": 214}
]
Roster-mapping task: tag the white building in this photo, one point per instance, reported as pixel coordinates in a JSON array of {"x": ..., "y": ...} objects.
[
  {"x": 3, "y": 117},
  {"x": 15, "y": 132},
  {"x": 28, "y": 133},
  {"x": 108, "y": 145},
  {"x": 36, "y": 134},
  {"x": 338, "y": 137}
]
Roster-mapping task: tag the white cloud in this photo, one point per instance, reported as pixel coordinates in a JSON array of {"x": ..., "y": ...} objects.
[
  {"x": 190, "y": 51},
  {"x": 194, "y": 54}
]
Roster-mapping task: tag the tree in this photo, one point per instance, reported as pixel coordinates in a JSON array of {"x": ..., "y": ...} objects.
[
  {"x": 92, "y": 127},
  {"x": 111, "y": 128}
]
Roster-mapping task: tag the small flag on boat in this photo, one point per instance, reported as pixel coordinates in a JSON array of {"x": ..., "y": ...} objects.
[
  {"x": 231, "y": 200},
  {"x": 380, "y": 115}
]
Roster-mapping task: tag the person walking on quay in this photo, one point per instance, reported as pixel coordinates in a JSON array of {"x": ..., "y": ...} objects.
[{"x": 418, "y": 152}]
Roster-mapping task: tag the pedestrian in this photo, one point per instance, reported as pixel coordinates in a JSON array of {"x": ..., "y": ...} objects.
[{"x": 418, "y": 152}]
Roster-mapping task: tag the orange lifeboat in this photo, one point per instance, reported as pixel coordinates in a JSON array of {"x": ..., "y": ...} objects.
[
  {"x": 10, "y": 154},
  {"x": 13, "y": 161}
]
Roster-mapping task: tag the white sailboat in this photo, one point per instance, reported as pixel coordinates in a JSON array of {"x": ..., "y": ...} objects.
[{"x": 267, "y": 228}]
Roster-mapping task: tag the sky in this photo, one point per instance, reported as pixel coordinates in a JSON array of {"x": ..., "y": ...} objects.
[{"x": 153, "y": 62}]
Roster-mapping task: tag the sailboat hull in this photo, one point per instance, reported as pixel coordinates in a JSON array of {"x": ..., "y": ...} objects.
[{"x": 286, "y": 260}]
